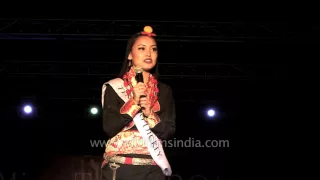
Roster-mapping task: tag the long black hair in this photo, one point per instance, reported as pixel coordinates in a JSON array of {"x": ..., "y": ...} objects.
[{"x": 125, "y": 65}]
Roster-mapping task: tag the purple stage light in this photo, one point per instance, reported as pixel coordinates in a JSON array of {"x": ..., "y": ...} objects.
[{"x": 27, "y": 109}]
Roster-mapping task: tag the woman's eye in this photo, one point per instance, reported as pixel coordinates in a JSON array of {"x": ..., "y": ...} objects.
[{"x": 141, "y": 48}]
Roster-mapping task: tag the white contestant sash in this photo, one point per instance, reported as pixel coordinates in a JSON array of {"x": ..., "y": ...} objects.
[{"x": 151, "y": 140}]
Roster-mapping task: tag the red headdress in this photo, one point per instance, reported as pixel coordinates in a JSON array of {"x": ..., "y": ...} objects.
[{"x": 147, "y": 30}]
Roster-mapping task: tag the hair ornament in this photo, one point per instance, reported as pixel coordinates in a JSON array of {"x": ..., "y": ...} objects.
[{"x": 147, "y": 30}]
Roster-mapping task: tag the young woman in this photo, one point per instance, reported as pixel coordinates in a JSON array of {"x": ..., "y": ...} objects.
[{"x": 137, "y": 115}]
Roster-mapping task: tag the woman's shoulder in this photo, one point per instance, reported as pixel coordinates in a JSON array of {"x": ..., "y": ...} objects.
[
  {"x": 112, "y": 84},
  {"x": 114, "y": 80},
  {"x": 164, "y": 86},
  {"x": 165, "y": 92}
]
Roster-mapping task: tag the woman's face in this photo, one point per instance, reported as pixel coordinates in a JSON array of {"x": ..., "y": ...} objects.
[{"x": 144, "y": 53}]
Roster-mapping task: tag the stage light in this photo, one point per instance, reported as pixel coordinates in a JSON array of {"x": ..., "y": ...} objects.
[
  {"x": 94, "y": 110},
  {"x": 211, "y": 112},
  {"x": 27, "y": 109}
]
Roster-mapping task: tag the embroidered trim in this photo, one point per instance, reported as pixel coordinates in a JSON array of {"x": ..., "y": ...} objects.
[
  {"x": 130, "y": 108},
  {"x": 152, "y": 120}
]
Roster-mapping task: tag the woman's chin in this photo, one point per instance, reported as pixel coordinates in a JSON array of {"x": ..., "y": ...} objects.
[{"x": 147, "y": 67}]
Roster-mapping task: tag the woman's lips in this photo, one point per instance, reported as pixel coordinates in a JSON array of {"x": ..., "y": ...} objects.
[{"x": 148, "y": 61}]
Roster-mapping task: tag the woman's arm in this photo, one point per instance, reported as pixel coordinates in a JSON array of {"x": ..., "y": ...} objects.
[
  {"x": 115, "y": 116},
  {"x": 163, "y": 125}
]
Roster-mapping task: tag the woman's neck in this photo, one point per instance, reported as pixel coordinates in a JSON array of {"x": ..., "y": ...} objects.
[{"x": 145, "y": 76}]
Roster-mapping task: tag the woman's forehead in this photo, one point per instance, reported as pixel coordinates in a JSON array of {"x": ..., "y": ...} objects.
[{"x": 145, "y": 40}]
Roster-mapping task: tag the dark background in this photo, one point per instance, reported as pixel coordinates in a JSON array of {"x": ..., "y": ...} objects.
[{"x": 238, "y": 68}]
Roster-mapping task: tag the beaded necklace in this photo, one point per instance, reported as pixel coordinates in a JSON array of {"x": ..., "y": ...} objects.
[{"x": 152, "y": 86}]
